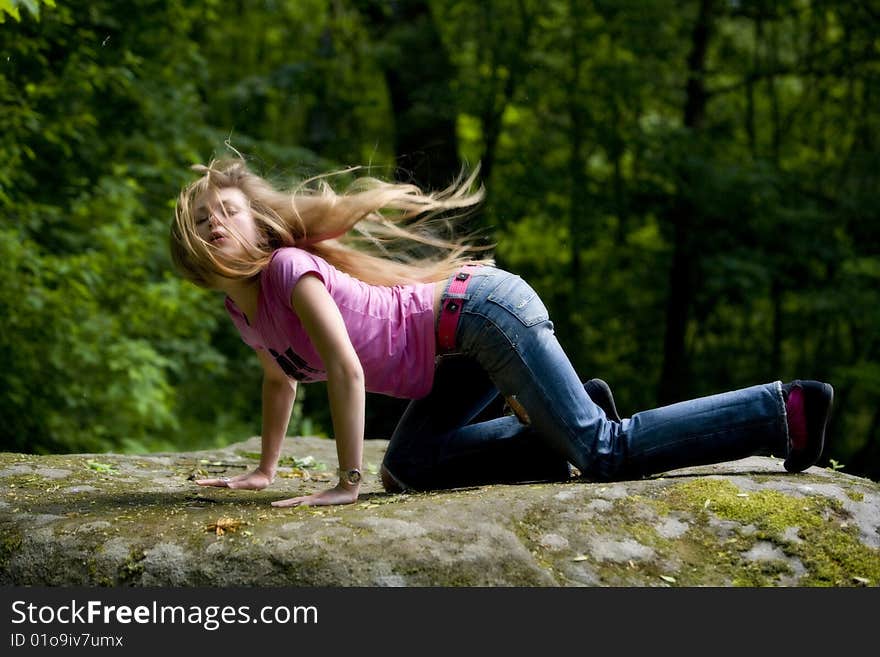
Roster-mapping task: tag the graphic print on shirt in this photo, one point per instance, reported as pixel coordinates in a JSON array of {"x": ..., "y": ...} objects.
[{"x": 294, "y": 365}]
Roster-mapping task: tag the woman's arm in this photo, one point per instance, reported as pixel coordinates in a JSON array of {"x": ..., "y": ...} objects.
[
  {"x": 279, "y": 393},
  {"x": 345, "y": 384}
]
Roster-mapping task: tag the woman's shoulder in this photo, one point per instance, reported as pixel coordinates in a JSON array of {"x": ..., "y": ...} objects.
[
  {"x": 292, "y": 257},
  {"x": 288, "y": 253},
  {"x": 288, "y": 264}
]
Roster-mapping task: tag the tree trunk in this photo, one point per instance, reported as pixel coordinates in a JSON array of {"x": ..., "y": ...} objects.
[
  {"x": 418, "y": 72},
  {"x": 674, "y": 377},
  {"x": 493, "y": 112},
  {"x": 577, "y": 161}
]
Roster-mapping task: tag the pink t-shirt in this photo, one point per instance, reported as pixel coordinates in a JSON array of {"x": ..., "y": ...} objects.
[{"x": 391, "y": 328}]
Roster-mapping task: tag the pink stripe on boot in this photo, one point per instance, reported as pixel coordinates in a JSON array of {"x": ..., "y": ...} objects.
[{"x": 797, "y": 418}]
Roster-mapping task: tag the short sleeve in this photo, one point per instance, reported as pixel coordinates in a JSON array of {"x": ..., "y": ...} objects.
[{"x": 286, "y": 268}]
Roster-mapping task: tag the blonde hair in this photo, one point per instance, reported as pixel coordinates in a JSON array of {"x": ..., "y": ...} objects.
[{"x": 381, "y": 233}]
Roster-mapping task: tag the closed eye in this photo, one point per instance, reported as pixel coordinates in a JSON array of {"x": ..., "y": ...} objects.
[{"x": 228, "y": 211}]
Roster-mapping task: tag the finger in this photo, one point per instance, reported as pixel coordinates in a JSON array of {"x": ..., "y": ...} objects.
[
  {"x": 293, "y": 501},
  {"x": 219, "y": 483}
]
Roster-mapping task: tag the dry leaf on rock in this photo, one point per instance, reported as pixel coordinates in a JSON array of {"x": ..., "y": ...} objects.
[{"x": 223, "y": 525}]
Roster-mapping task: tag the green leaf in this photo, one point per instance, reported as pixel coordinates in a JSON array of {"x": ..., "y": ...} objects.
[
  {"x": 7, "y": 7},
  {"x": 104, "y": 468},
  {"x": 32, "y": 6}
]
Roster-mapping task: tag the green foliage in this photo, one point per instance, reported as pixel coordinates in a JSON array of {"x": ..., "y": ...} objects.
[
  {"x": 101, "y": 337},
  {"x": 13, "y": 8},
  {"x": 604, "y": 161}
]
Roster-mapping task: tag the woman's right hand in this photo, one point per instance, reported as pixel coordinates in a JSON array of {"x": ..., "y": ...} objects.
[{"x": 256, "y": 480}]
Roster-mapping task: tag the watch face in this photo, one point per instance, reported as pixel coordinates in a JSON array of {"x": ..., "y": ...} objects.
[{"x": 350, "y": 476}]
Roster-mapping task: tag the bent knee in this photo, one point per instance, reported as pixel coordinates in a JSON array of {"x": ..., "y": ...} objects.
[{"x": 389, "y": 483}]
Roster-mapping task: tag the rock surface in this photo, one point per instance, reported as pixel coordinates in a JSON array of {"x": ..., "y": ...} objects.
[{"x": 139, "y": 520}]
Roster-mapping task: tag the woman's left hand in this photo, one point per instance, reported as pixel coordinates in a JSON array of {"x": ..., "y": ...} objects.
[{"x": 337, "y": 495}]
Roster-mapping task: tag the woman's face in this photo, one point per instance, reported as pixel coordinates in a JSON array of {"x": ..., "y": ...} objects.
[{"x": 225, "y": 221}]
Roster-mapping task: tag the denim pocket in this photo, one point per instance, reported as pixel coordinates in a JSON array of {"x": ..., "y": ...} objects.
[{"x": 519, "y": 299}]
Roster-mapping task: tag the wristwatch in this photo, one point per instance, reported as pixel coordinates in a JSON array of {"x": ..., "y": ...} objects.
[{"x": 351, "y": 477}]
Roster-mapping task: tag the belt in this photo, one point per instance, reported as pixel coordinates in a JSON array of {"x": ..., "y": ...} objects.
[{"x": 450, "y": 310}]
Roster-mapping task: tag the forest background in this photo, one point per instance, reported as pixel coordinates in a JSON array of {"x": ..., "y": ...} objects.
[{"x": 691, "y": 186}]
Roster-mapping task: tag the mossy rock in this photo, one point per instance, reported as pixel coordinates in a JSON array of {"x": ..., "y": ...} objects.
[{"x": 125, "y": 520}]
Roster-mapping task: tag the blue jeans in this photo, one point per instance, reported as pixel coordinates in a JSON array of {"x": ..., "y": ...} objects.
[{"x": 505, "y": 344}]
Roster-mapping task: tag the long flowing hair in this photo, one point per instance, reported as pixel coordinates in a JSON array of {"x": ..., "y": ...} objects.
[{"x": 379, "y": 232}]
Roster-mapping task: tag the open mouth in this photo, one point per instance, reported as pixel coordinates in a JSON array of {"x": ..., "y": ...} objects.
[{"x": 216, "y": 238}]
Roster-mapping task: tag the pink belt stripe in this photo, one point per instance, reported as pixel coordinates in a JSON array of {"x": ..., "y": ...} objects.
[{"x": 450, "y": 311}]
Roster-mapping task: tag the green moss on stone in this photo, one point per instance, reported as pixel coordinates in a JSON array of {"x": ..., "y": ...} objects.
[
  {"x": 761, "y": 573},
  {"x": 10, "y": 543},
  {"x": 131, "y": 571},
  {"x": 829, "y": 546},
  {"x": 769, "y": 510}
]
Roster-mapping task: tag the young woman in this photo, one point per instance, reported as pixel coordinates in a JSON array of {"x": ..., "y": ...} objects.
[{"x": 448, "y": 332}]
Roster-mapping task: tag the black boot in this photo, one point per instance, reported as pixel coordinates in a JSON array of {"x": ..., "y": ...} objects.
[
  {"x": 597, "y": 390},
  {"x": 601, "y": 395},
  {"x": 808, "y": 409}
]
